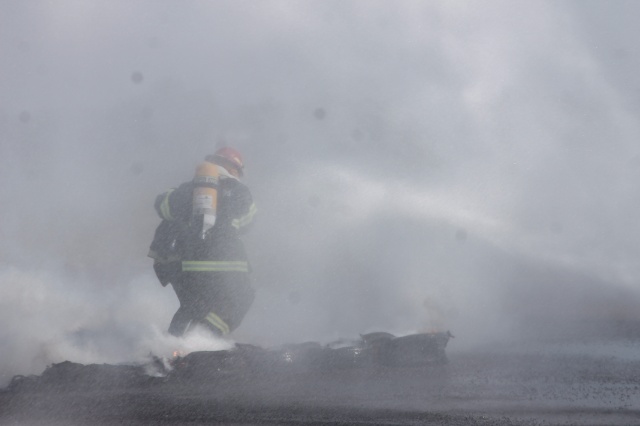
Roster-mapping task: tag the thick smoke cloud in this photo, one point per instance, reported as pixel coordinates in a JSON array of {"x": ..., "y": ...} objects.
[{"x": 416, "y": 166}]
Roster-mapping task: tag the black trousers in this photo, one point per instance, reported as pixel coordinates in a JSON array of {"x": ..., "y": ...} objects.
[{"x": 216, "y": 300}]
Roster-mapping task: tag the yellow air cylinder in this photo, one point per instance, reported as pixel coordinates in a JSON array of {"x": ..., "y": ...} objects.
[{"x": 205, "y": 196}]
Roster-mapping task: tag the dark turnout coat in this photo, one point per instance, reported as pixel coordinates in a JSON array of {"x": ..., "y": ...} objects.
[{"x": 210, "y": 276}]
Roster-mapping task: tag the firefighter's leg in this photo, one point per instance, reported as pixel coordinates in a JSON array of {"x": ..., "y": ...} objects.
[
  {"x": 196, "y": 309},
  {"x": 233, "y": 298},
  {"x": 242, "y": 296},
  {"x": 186, "y": 290},
  {"x": 221, "y": 300},
  {"x": 180, "y": 322},
  {"x": 212, "y": 298},
  {"x": 214, "y": 324}
]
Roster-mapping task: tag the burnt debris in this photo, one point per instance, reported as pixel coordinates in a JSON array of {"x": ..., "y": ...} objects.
[{"x": 373, "y": 350}]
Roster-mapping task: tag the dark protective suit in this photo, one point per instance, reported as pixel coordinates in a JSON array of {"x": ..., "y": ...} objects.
[{"x": 210, "y": 276}]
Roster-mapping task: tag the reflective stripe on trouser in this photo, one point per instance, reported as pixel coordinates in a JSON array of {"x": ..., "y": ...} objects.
[
  {"x": 217, "y": 322},
  {"x": 215, "y": 266}
]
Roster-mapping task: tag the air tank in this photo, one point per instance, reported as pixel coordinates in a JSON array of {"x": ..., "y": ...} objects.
[{"x": 205, "y": 197}]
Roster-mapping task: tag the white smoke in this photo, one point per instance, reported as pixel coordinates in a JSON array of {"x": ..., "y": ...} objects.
[
  {"x": 56, "y": 324},
  {"x": 415, "y": 165}
]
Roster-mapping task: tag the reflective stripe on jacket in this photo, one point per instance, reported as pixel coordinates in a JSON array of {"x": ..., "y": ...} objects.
[{"x": 215, "y": 266}]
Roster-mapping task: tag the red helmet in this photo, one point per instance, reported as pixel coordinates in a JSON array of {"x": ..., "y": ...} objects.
[{"x": 226, "y": 157}]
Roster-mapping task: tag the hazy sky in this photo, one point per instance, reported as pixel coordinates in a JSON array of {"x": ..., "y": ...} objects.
[{"x": 416, "y": 164}]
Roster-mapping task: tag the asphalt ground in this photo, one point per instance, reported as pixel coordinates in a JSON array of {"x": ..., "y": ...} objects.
[{"x": 473, "y": 388}]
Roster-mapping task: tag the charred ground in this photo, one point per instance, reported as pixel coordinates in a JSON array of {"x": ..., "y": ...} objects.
[{"x": 313, "y": 384}]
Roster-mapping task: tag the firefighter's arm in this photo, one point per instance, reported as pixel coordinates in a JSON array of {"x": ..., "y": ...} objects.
[
  {"x": 163, "y": 205},
  {"x": 246, "y": 212},
  {"x": 175, "y": 203}
]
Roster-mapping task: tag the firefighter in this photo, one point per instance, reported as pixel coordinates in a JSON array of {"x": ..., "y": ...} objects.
[{"x": 197, "y": 246}]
